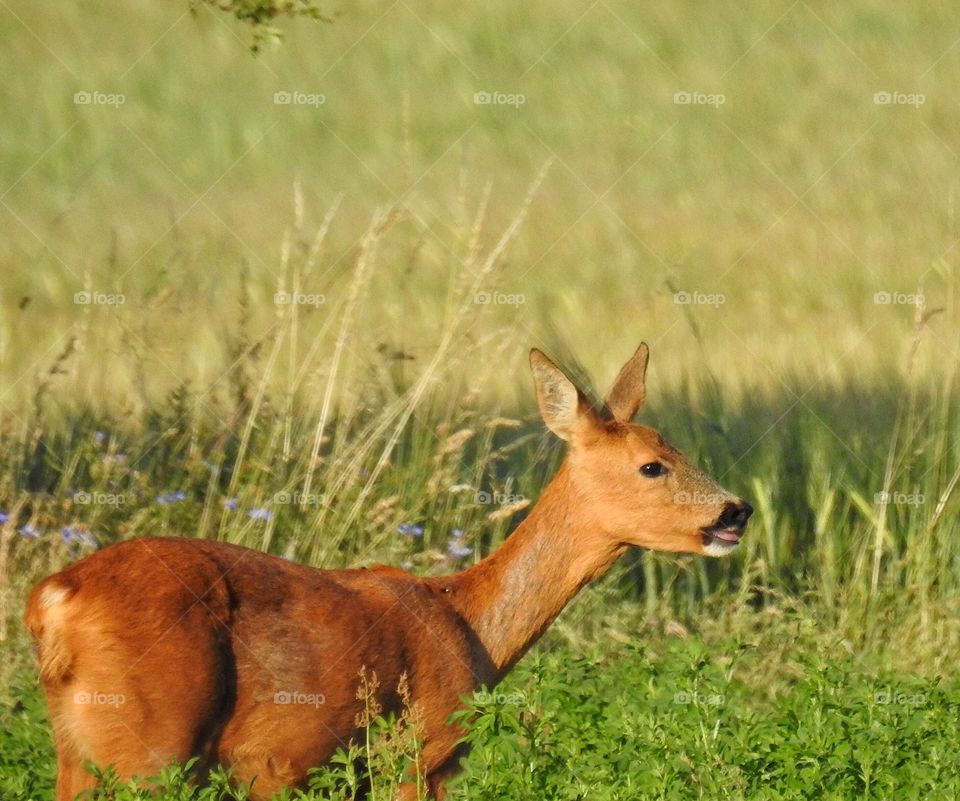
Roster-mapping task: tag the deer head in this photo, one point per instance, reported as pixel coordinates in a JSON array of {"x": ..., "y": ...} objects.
[{"x": 630, "y": 485}]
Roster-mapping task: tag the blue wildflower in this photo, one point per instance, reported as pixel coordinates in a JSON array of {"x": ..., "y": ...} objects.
[
  {"x": 76, "y": 536},
  {"x": 230, "y": 504},
  {"x": 457, "y": 533},
  {"x": 410, "y": 530},
  {"x": 31, "y": 532},
  {"x": 171, "y": 497},
  {"x": 4, "y": 517},
  {"x": 458, "y": 551},
  {"x": 260, "y": 514}
]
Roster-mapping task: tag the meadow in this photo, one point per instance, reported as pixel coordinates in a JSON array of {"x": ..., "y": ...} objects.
[{"x": 284, "y": 299}]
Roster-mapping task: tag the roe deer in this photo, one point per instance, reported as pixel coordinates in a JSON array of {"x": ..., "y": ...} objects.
[{"x": 161, "y": 649}]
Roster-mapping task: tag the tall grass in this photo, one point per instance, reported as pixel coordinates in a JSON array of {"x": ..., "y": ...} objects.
[
  {"x": 340, "y": 454},
  {"x": 372, "y": 420}
]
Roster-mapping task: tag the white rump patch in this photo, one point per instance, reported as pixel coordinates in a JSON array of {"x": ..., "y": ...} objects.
[{"x": 53, "y": 595}]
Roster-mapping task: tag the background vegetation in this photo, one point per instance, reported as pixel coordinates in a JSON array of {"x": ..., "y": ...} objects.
[{"x": 285, "y": 301}]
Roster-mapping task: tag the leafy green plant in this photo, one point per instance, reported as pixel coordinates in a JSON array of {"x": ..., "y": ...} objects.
[{"x": 664, "y": 718}]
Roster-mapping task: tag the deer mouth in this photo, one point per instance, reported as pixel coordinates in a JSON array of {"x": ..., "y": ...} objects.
[
  {"x": 720, "y": 540},
  {"x": 724, "y": 535}
]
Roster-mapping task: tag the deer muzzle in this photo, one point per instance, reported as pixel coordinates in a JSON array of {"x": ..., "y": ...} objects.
[{"x": 724, "y": 535}]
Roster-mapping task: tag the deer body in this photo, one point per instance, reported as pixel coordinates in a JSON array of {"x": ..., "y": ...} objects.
[{"x": 162, "y": 649}]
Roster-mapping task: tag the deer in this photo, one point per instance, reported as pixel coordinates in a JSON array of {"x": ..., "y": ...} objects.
[{"x": 165, "y": 649}]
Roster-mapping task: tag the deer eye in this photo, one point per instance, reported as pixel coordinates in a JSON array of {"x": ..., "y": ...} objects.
[{"x": 653, "y": 469}]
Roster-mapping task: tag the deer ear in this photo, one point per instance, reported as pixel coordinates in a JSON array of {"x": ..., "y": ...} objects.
[
  {"x": 563, "y": 407},
  {"x": 629, "y": 390}
]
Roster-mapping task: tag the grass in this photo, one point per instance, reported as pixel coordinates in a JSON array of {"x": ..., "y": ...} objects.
[
  {"x": 158, "y": 380},
  {"x": 704, "y": 197}
]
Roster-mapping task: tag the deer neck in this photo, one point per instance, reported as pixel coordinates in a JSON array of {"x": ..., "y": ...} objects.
[{"x": 511, "y": 597}]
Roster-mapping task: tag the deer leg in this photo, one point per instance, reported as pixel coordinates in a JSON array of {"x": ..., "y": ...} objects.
[{"x": 72, "y": 779}]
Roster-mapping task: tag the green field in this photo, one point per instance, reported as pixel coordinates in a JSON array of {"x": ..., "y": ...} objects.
[{"x": 767, "y": 194}]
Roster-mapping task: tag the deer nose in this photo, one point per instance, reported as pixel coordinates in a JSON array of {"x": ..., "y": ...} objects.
[{"x": 735, "y": 515}]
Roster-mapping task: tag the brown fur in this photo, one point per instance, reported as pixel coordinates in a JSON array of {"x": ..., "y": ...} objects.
[{"x": 160, "y": 649}]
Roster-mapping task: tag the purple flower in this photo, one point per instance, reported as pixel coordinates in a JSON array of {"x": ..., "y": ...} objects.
[
  {"x": 4, "y": 517},
  {"x": 76, "y": 536},
  {"x": 31, "y": 532},
  {"x": 458, "y": 551},
  {"x": 230, "y": 504},
  {"x": 171, "y": 497},
  {"x": 410, "y": 530},
  {"x": 260, "y": 514}
]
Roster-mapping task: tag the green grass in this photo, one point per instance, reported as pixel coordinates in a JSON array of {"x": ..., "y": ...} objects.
[{"x": 399, "y": 202}]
